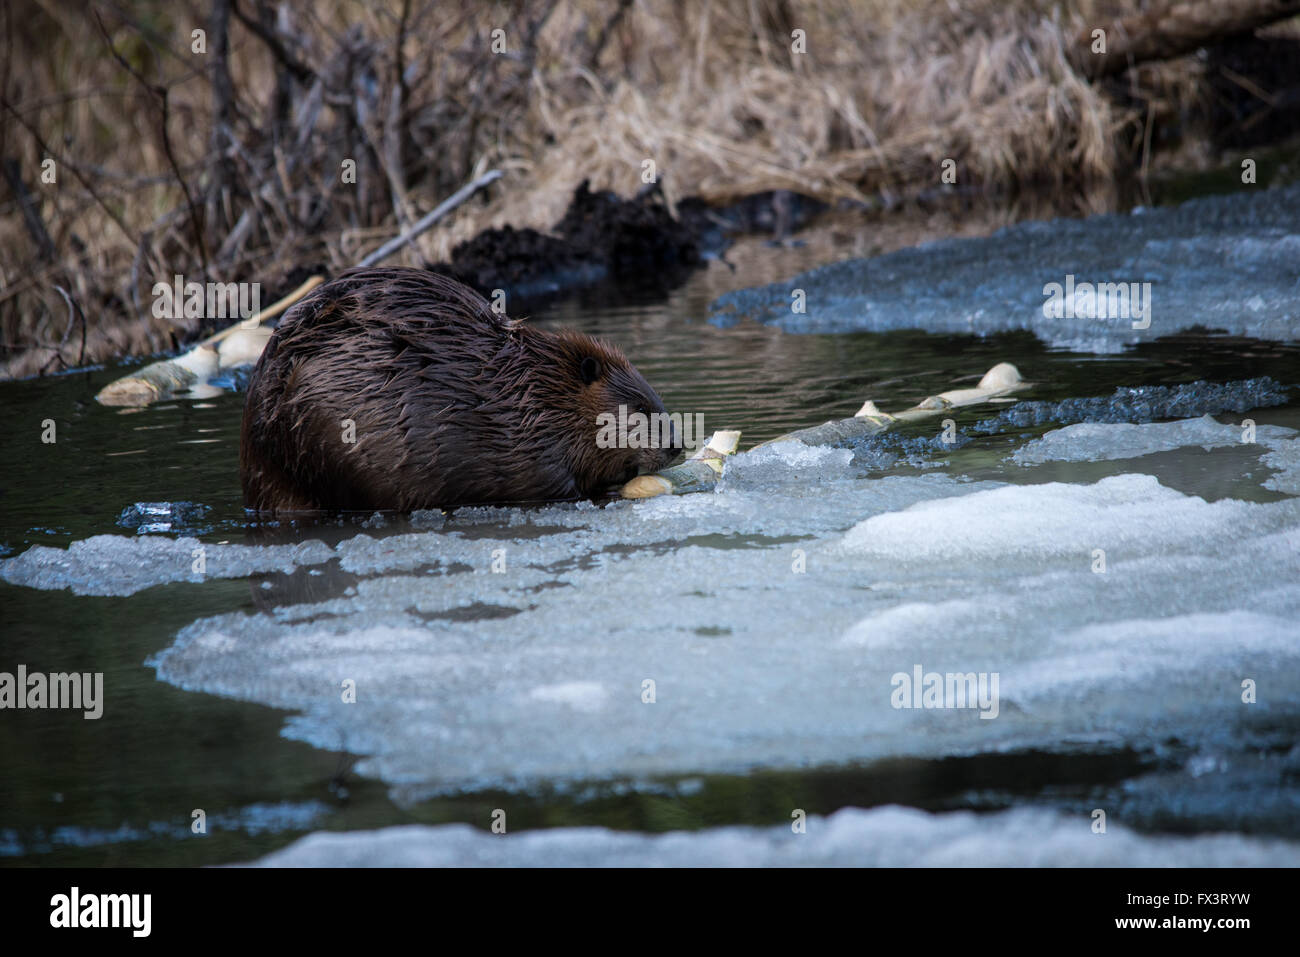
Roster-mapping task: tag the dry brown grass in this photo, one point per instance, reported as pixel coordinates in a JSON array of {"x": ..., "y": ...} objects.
[{"x": 711, "y": 92}]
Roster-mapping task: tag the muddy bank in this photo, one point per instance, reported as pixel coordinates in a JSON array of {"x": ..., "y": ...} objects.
[
  {"x": 633, "y": 243},
  {"x": 601, "y": 237},
  {"x": 314, "y": 137}
]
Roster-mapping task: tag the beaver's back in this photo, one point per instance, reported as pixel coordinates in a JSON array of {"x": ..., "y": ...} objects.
[{"x": 393, "y": 388}]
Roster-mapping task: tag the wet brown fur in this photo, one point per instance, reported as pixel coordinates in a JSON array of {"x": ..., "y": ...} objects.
[{"x": 452, "y": 404}]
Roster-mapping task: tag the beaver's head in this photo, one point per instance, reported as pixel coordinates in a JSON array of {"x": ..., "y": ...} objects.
[{"x": 624, "y": 429}]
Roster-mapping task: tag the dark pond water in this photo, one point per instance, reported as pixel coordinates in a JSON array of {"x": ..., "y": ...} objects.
[{"x": 120, "y": 790}]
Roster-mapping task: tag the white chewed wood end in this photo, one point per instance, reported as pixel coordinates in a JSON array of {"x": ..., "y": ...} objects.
[
  {"x": 243, "y": 347},
  {"x": 1003, "y": 377},
  {"x": 700, "y": 472},
  {"x": 646, "y": 486},
  {"x": 697, "y": 474},
  {"x": 162, "y": 378}
]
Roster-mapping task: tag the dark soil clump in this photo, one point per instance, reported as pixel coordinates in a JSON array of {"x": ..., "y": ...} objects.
[{"x": 601, "y": 237}]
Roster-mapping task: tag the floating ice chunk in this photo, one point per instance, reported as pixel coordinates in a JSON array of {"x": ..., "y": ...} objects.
[
  {"x": 780, "y": 461},
  {"x": 769, "y": 625},
  {"x": 1056, "y": 520},
  {"x": 851, "y": 837},
  {"x": 153, "y": 517},
  {"x": 1091, "y": 442},
  {"x": 113, "y": 565},
  {"x": 266, "y": 818}
]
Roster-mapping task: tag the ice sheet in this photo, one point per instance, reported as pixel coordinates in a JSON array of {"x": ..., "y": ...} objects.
[
  {"x": 465, "y": 678},
  {"x": 1196, "y": 258},
  {"x": 114, "y": 565},
  {"x": 764, "y": 625},
  {"x": 1285, "y": 457},
  {"x": 881, "y": 837}
]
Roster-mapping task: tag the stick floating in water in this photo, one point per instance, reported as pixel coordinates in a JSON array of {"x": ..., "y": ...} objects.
[
  {"x": 1002, "y": 379},
  {"x": 697, "y": 474},
  {"x": 701, "y": 472},
  {"x": 234, "y": 345}
]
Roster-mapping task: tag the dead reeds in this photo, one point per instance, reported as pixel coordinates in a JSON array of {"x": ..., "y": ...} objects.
[{"x": 231, "y": 164}]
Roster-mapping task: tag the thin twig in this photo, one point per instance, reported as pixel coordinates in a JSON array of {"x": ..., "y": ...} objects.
[
  {"x": 63, "y": 161},
  {"x": 73, "y": 314},
  {"x": 426, "y": 221},
  {"x": 301, "y": 72},
  {"x": 160, "y": 91}
]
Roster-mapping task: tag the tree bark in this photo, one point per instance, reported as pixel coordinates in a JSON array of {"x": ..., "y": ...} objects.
[
  {"x": 1172, "y": 30},
  {"x": 223, "y": 118}
]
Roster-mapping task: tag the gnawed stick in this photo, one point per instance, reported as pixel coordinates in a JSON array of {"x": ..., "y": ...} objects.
[
  {"x": 244, "y": 341},
  {"x": 697, "y": 474},
  {"x": 1002, "y": 379},
  {"x": 690, "y": 476},
  {"x": 428, "y": 219},
  {"x": 233, "y": 345}
]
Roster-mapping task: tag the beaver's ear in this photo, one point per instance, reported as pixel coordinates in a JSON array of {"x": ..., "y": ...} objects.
[{"x": 590, "y": 370}]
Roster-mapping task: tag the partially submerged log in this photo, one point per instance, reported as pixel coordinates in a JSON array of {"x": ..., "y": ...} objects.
[
  {"x": 1172, "y": 30},
  {"x": 702, "y": 471}
]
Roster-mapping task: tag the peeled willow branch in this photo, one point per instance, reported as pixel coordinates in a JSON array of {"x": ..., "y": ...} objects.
[
  {"x": 701, "y": 472},
  {"x": 243, "y": 342},
  {"x": 233, "y": 345},
  {"x": 1002, "y": 379},
  {"x": 424, "y": 222}
]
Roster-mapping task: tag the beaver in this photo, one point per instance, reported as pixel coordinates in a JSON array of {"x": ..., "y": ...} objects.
[{"x": 401, "y": 389}]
